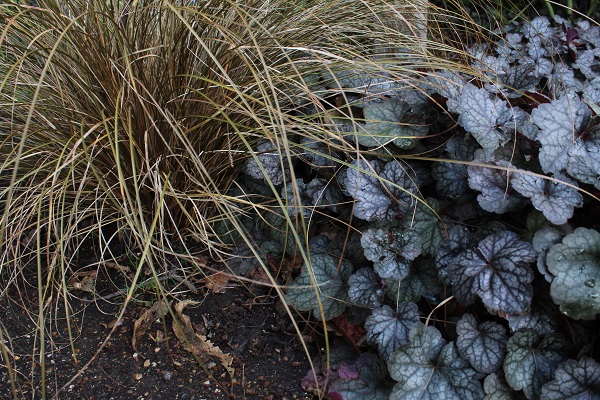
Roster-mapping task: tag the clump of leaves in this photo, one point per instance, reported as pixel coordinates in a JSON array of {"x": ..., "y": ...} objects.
[
  {"x": 429, "y": 366},
  {"x": 486, "y": 230}
]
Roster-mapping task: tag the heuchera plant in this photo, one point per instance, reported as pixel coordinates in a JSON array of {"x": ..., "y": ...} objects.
[{"x": 476, "y": 275}]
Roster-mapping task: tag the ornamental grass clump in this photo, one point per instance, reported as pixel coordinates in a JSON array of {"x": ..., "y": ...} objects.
[{"x": 125, "y": 123}]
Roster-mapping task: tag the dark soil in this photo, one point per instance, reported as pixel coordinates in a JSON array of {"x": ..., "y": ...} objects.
[{"x": 269, "y": 359}]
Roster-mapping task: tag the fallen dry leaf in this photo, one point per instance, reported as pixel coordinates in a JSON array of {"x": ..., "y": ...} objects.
[
  {"x": 284, "y": 268},
  {"x": 116, "y": 266},
  {"x": 259, "y": 275},
  {"x": 196, "y": 343},
  {"x": 143, "y": 323},
  {"x": 352, "y": 332},
  {"x": 113, "y": 323},
  {"x": 216, "y": 283}
]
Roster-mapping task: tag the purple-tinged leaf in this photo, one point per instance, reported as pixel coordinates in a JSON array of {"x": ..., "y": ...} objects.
[
  {"x": 448, "y": 84},
  {"x": 372, "y": 202},
  {"x": 487, "y": 118},
  {"x": 496, "y": 195},
  {"x": 574, "y": 380},
  {"x": 388, "y": 329},
  {"x": 428, "y": 368},
  {"x": 514, "y": 81},
  {"x": 391, "y": 250},
  {"x": 586, "y": 62},
  {"x": 268, "y": 165},
  {"x": 458, "y": 240},
  {"x": 451, "y": 178},
  {"x": 585, "y": 158},
  {"x": 539, "y": 33},
  {"x": 531, "y": 360},
  {"x": 556, "y": 200},
  {"x": 538, "y": 319},
  {"x": 497, "y": 271},
  {"x": 484, "y": 345},
  {"x": 561, "y": 121},
  {"x": 381, "y": 192},
  {"x": 365, "y": 288}
]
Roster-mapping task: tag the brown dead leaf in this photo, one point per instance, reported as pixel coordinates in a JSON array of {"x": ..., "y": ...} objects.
[
  {"x": 196, "y": 343},
  {"x": 113, "y": 323},
  {"x": 216, "y": 283},
  {"x": 259, "y": 275},
  {"x": 354, "y": 333},
  {"x": 284, "y": 268},
  {"x": 116, "y": 266},
  {"x": 143, "y": 323}
]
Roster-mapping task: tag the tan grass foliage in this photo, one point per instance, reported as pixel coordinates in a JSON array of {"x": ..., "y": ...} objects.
[{"x": 126, "y": 122}]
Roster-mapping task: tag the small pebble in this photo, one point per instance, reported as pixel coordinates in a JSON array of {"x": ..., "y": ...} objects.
[{"x": 167, "y": 375}]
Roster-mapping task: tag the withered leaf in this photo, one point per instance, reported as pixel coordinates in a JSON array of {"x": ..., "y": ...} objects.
[
  {"x": 217, "y": 282},
  {"x": 196, "y": 343},
  {"x": 143, "y": 323}
]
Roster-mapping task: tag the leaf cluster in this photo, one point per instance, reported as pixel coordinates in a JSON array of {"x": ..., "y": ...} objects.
[{"x": 487, "y": 230}]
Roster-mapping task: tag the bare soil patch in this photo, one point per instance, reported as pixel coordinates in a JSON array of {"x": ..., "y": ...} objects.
[{"x": 268, "y": 358}]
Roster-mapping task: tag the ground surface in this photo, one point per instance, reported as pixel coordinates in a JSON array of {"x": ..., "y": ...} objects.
[{"x": 268, "y": 359}]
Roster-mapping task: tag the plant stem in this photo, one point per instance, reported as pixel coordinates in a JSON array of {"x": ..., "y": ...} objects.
[{"x": 550, "y": 9}]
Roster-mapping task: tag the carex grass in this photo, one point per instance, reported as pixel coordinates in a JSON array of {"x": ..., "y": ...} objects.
[{"x": 123, "y": 124}]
